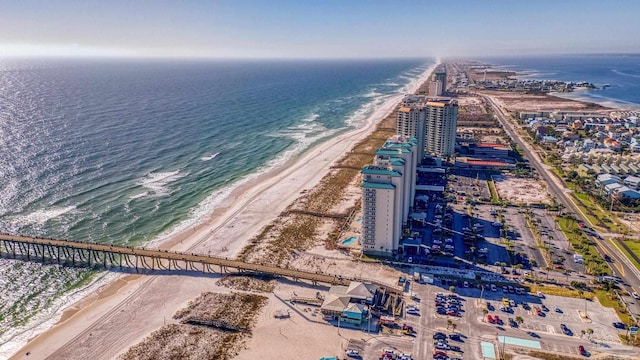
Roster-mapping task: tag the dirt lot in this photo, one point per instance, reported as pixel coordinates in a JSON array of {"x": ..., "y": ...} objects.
[
  {"x": 530, "y": 102},
  {"x": 526, "y": 191}
]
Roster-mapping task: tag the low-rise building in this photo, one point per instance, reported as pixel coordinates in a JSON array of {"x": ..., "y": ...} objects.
[{"x": 632, "y": 182}]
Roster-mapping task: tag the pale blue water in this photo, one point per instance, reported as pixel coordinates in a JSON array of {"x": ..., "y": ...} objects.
[
  {"x": 622, "y": 72},
  {"x": 121, "y": 151},
  {"x": 124, "y": 152},
  {"x": 349, "y": 241}
]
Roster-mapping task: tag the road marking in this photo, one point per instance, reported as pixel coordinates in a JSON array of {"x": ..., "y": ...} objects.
[
  {"x": 551, "y": 329},
  {"x": 616, "y": 264}
]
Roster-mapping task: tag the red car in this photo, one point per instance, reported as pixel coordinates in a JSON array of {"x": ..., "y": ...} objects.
[
  {"x": 490, "y": 319},
  {"x": 582, "y": 350}
]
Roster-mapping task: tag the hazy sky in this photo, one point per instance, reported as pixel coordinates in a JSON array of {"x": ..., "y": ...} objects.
[{"x": 311, "y": 29}]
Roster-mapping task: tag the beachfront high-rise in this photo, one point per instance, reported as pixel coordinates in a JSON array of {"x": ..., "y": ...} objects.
[
  {"x": 388, "y": 190},
  {"x": 441, "y": 116},
  {"x": 410, "y": 121},
  {"x": 438, "y": 84}
]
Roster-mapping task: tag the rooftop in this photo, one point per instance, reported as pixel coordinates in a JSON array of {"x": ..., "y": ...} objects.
[
  {"x": 372, "y": 185},
  {"x": 373, "y": 170}
]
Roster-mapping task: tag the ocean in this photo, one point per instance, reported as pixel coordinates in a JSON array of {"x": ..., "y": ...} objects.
[
  {"x": 129, "y": 151},
  {"x": 621, "y": 72}
]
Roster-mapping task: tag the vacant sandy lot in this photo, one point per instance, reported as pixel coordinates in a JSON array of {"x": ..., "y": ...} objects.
[
  {"x": 526, "y": 191},
  {"x": 529, "y": 102}
]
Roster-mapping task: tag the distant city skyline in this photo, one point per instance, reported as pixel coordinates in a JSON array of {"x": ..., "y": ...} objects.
[{"x": 316, "y": 29}]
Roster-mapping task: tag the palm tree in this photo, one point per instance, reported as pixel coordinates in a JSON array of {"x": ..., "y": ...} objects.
[
  {"x": 452, "y": 288},
  {"x": 449, "y": 323},
  {"x": 589, "y": 332},
  {"x": 583, "y": 332},
  {"x": 485, "y": 311},
  {"x": 519, "y": 319},
  {"x": 454, "y": 326}
]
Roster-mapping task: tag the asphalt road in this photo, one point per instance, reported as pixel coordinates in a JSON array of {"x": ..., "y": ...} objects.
[{"x": 620, "y": 265}]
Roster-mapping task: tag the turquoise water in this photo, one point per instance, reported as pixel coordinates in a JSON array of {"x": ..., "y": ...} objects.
[
  {"x": 534, "y": 344},
  {"x": 621, "y": 72},
  {"x": 349, "y": 241},
  {"x": 125, "y": 151},
  {"x": 488, "y": 350}
]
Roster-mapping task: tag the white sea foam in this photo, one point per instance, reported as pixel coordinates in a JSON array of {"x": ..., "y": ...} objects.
[
  {"x": 374, "y": 109},
  {"x": 158, "y": 182},
  {"x": 16, "y": 337},
  {"x": 312, "y": 117},
  {"x": 139, "y": 195},
  {"x": 209, "y": 157},
  {"x": 40, "y": 217},
  {"x": 625, "y": 74},
  {"x": 372, "y": 93}
]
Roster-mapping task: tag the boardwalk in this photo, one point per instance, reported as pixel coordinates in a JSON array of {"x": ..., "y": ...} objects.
[{"x": 107, "y": 256}]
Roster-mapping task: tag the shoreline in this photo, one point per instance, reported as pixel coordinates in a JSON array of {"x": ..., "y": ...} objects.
[{"x": 251, "y": 205}]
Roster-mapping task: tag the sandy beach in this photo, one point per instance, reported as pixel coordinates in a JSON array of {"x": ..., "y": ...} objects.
[{"x": 124, "y": 311}]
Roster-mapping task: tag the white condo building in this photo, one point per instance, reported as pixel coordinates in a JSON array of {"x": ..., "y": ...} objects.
[
  {"x": 432, "y": 122},
  {"x": 441, "y": 121},
  {"x": 388, "y": 190}
]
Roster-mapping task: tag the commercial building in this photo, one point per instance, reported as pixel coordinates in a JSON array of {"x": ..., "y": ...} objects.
[
  {"x": 388, "y": 190},
  {"x": 441, "y": 117}
]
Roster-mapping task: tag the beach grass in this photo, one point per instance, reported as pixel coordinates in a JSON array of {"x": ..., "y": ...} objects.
[
  {"x": 559, "y": 291},
  {"x": 293, "y": 232},
  {"x": 634, "y": 246},
  {"x": 609, "y": 300}
]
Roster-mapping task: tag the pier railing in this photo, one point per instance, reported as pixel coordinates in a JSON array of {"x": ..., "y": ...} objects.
[{"x": 82, "y": 254}]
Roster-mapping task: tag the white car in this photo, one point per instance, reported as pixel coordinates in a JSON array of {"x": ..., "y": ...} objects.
[
  {"x": 635, "y": 295},
  {"x": 352, "y": 352}
]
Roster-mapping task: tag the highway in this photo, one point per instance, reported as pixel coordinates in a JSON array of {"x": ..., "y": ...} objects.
[{"x": 620, "y": 265}]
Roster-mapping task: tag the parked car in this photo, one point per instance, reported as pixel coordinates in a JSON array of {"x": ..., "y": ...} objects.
[
  {"x": 635, "y": 295},
  {"x": 439, "y": 335},
  {"x": 566, "y": 330},
  {"x": 582, "y": 351},
  {"x": 557, "y": 309},
  {"x": 352, "y": 353},
  {"x": 619, "y": 325},
  {"x": 455, "y": 337}
]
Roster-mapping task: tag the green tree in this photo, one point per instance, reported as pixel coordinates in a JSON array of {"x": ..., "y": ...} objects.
[
  {"x": 519, "y": 319},
  {"x": 485, "y": 311},
  {"x": 589, "y": 333}
]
